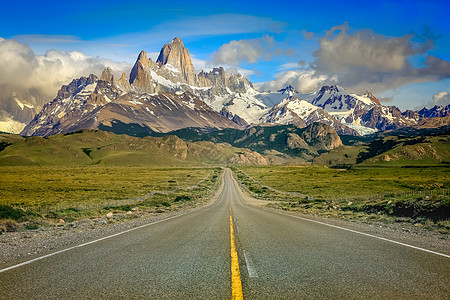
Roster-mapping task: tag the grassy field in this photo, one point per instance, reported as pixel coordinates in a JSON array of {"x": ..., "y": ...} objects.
[
  {"x": 39, "y": 186},
  {"x": 35, "y": 196},
  {"x": 418, "y": 195},
  {"x": 327, "y": 183}
]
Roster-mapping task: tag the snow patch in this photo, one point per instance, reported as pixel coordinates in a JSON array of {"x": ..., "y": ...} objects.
[{"x": 362, "y": 130}]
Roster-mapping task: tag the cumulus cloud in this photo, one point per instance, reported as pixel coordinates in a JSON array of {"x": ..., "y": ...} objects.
[
  {"x": 364, "y": 49},
  {"x": 247, "y": 51},
  {"x": 304, "y": 81},
  {"x": 442, "y": 98},
  {"x": 363, "y": 60},
  {"x": 22, "y": 67}
]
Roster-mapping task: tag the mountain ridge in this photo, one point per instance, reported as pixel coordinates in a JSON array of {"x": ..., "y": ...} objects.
[{"x": 168, "y": 94}]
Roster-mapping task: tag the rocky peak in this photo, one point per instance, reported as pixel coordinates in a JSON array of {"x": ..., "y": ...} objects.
[
  {"x": 142, "y": 58},
  {"x": 371, "y": 97},
  {"x": 107, "y": 75},
  {"x": 288, "y": 90},
  {"x": 238, "y": 83},
  {"x": 140, "y": 73},
  {"x": 123, "y": 82},
  {"x": 435, "y": 111},
  {"x": 177, "y": 56},
  {"x": 332, "y": 89},
  {"x": 75, "y": 86},
  {"x": 217, "y": 76}
]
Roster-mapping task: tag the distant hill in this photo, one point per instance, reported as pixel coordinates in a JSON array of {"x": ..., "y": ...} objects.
[
  {"x": 280, "y": 142},
  {"x": 433, "y": 149},
  {"x": 98, "y": 147}
]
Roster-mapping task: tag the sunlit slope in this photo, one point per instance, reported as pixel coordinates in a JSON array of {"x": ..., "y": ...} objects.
[
  {"x": 392, "y": 151},
  {"x": 97, "y": 147}
]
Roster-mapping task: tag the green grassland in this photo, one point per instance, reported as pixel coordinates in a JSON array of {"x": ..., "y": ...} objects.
[
  {"x": 418, "y": 194},
  {"x": 391, "y": 151},
  {"x": 323, "y": 182},
  {"x": 91, "y": 147},
  {"x": 32, "y": 196},
  {"x": 50, "y": 185}
]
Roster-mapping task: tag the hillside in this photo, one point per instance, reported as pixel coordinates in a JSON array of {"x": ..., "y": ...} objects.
[
  {"x": 279, "y": 142},
  {"x": 89, "y": 147},
  {"x": 427, "y": 150}
]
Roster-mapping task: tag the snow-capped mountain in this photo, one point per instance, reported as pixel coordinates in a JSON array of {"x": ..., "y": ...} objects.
[
  {"x": 168, "y": 94},
  {"x": 435, "y": 112},
  {"x": 344, "y": 106},
  {"x": 18, "y": 106},
  {"x": 363, "y": 113},
  {"x": 293, "y": 110},
  {"x": 148, "y": 99}
]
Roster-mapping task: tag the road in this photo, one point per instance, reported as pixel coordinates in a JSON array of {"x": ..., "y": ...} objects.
[{"x": 191, "y": 257}]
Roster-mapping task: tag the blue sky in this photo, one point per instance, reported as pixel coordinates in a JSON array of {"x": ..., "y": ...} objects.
[{"x": 399, "y": 50}]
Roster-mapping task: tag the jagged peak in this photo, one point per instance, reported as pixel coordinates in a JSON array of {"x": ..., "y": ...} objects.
[
  {"x": 142, "y": 56},
  {"x": 174, "y": 48},
  {"x": 371, "y": 97},
  {"x": 177, "y": 41},
  {"x": 288, "y": 89},
  {"x": 332, "y": 88},
  {"x": 107, "y": 75}
]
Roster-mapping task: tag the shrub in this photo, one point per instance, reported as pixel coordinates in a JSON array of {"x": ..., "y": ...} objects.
[
  {"x": 32, "y": 226},
  {"x": 8, "y": 212},
  {"x": 8, "y": 225},
  {"x": 183, "y": 198}
]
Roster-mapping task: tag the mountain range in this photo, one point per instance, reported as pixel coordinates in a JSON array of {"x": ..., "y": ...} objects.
[{"x": 168, "y": 94}]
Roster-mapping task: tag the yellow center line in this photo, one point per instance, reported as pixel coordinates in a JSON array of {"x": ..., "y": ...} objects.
[{"x": 236, "y": 285}]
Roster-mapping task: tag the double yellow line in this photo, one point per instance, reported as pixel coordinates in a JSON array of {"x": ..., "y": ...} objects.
[{"x": 236, "y": 285}]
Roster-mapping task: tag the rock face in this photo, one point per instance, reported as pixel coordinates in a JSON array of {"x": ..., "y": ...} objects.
[
  {"x": 248, "y": 158},
  {"x": 175, "y": 57},
  {"x": 294, "y": 141},
  {"x": 322, "y": 136}
]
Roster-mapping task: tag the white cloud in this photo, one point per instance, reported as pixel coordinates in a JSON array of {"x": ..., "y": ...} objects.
[
  {"x": 364, "y": 60},
  {"x": 248, "y": 51},
  {"x": 364, "y": 49},
  {"x": 291, "y": 66},
  {"x": 236, "y": 52},
  {"x": 304, "y": 81},
  {"x": 442, "y": 98},
  {"x": 206, "y": 66},
  {"x": 22, "y": 67}
]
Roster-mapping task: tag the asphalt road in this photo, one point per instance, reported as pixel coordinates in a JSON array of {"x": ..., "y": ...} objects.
[{"x": 188, "y": 257}]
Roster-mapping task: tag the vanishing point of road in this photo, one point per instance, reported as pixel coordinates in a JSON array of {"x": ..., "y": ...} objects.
[{"x": 232, "y": 250}]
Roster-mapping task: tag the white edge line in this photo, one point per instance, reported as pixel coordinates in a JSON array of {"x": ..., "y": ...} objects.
[
  {"x": 85, "y": 244},
  {"x": 362, "y": 233},
  {"x": 343, "y": 228},
  {"x": 250, "y": 265}
]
